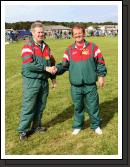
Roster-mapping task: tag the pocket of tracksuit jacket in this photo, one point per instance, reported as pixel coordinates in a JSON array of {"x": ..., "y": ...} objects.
[{"x": 32, "y": 83}]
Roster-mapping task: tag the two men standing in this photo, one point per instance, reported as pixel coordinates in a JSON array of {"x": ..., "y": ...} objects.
[{"x": 85, "y": 64}]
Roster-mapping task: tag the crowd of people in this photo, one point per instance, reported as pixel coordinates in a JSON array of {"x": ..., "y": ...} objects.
[
  {"x": 102, "y": 33},
  {"x": 62, "y": 34},
  {"x": 12, "y": 35}
]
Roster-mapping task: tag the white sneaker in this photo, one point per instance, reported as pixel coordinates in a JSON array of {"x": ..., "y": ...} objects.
[
  {"x": 76, "y": 131},
  {"x": 98, "y": 131}
]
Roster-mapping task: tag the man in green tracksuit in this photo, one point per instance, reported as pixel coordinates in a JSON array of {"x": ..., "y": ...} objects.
[
  {"x": 86, "y": 65},
  {"x": 37, "y": 60}
]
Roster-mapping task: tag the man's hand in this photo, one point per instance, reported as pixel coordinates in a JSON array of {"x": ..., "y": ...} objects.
[
  {"x": 53, "y": 83},
  {"x": 51, "y": 70},
  {"x": 101, "y": 81}
]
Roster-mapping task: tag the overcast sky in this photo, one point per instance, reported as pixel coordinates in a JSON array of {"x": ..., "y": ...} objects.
[{"x": 61, "y": 13}]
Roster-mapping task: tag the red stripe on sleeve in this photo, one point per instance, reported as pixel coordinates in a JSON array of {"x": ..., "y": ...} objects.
[
  {"x": 98, "y": 55},
  {"x": 27, "y": 61},
  {"x": 64, "y": 60},
  {"x": 27, "y": 54},
  {"x": 27, "y": 46},
  {"x": 95, "y": 48},
  {"x": 101, "y": 61},
  {"x": 66, "y": 52}
]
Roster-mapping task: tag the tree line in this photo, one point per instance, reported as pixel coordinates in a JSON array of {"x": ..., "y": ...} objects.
[{"x": 26, "y": 25}]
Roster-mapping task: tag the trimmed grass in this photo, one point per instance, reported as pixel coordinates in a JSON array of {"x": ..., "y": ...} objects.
[{"x": 58, "y": 115}]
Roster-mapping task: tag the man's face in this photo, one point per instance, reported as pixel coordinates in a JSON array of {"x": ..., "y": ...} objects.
[
  {"x": 38, "y": 34},
  {"x": 78, "y": 35}
]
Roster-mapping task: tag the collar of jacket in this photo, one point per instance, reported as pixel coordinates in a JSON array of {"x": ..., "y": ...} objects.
[
  {"x": 36, "y": 43},
  {"x": 85, "y": 44},
  {"x": 42, "y": 45}
]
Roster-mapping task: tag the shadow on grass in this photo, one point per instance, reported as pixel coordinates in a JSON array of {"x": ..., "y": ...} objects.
[
  {"x": 66, "y": 114},
  {"x": 107, "y": 111}
]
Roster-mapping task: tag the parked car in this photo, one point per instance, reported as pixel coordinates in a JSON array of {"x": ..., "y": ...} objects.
[{"x": 23, "y": 34}]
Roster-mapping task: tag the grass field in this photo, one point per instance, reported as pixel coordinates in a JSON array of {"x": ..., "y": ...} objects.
[{"x": 58, "y": 115}]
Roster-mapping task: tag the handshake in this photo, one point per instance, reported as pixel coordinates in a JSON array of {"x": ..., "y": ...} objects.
[{"x": 51, "y": 70}]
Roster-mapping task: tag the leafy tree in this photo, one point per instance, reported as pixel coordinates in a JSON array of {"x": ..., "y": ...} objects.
[{"x": 26, "y": 25}]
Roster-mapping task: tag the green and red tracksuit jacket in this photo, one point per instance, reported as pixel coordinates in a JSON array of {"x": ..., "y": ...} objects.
[
  {"x": 35, "y": 58},
  {"x": 84, "y": 65}
]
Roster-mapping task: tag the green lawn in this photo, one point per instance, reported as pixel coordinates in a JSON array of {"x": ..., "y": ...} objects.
[{"x": 58, "y": 115}]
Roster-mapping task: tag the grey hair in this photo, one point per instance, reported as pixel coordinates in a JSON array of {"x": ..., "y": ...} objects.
[{"x": 36, "y": 24}]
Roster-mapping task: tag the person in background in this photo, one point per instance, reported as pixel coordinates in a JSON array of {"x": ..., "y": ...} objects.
[{"x": 37, "y": 60}]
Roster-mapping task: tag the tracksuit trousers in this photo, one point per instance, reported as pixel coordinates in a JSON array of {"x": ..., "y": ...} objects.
[
  {"x": 85, "y": 96},
  {"x": 35, "y": 93}
]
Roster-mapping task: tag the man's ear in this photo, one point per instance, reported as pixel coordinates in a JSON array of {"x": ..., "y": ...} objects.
[{"x": 32, "y": 32}]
